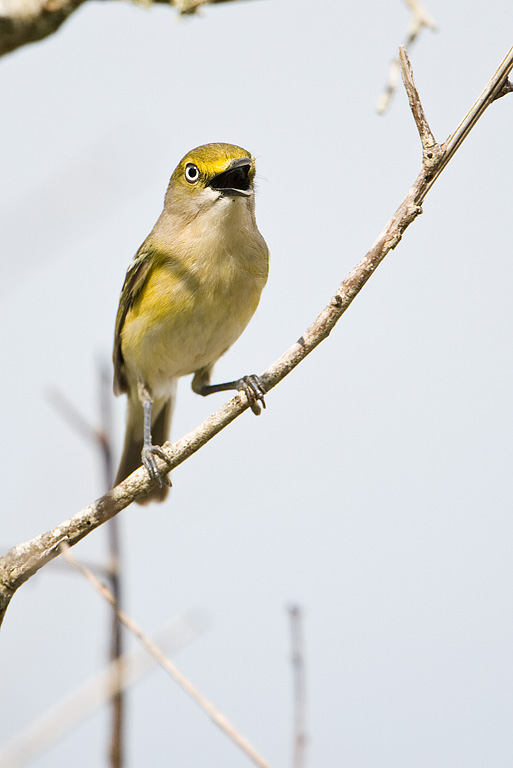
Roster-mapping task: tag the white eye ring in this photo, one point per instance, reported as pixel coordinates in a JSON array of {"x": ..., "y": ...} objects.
[{"x": 192, "y": 173}]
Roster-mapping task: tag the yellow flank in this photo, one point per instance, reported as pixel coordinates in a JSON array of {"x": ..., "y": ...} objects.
[{"x": 184, "y": 320}]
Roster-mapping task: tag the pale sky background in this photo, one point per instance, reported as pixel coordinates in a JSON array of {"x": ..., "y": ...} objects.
[{"x": 376, "y": 490}]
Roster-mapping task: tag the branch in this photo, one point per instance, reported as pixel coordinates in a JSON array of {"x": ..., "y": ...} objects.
[
  {"x": 430, "y": 148},
  {"x": 219, "y": 719},
  {"x": 418, "y": 20},
  {"x": 23, "y": 560},
  {"x": 101, "y": 440},
  {"x": 28, "y": 21},
  {"x": 298, "y": 665},
  {"x": 92, "y": 694}
]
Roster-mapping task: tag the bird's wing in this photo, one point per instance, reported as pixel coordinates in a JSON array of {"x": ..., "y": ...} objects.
[{"x": 135, "y": 278}]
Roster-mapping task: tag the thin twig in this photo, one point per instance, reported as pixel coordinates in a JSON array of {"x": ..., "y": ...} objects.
[
  {"x": 298, "y": 666},
  {"x": 430, "y": 148},
  {"x": 418, "y": 20},
  {"x": 116, "y": 748},
  {"x": 497, "y": 86},
  {"x": 72, "y": 415},
  {"x": 101, "y": 440},
  {"x": 420, "y": 17},
  {"x": 220, "y": 720},
  {"x": 23, "y": 560},
  {"x": 104, "y": 685}
]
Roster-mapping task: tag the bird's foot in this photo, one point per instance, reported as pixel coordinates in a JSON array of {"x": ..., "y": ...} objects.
[
  {"x": 148, "y": 459},
  {"x": 254, "y": 389}
]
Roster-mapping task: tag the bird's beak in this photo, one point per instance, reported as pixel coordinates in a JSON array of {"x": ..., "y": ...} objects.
[{"x": 235, "y": 180}]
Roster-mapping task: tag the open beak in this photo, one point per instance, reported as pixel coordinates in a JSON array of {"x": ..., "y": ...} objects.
[{"x": 235, "y": 180}]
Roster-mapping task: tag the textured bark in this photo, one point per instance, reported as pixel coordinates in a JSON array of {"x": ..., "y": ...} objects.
[{"x": 27, "y": 21}]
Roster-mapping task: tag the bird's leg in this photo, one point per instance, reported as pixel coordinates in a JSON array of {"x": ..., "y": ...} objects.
[
  {"x": 149, "y": 450},
  {"x": 252, "y": 386}
]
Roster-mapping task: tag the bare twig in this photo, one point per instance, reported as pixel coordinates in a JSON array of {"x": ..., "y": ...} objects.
[
  {"x": 101, "y": 440},
  {"x": 498, "y": 86},
  {"x": 298, "y": 666},
  {"x": 116, "y": 749},
  {"x": 430, "y": 148},
  {"x": 62, "y": 717},
  {"x": 72, "y": 415},
  {"x": 418, "y": 20},
  {"x": 220, "y": 720},
  {"x": 25, "y": 559},
  {"x": 420, "y": 17}
]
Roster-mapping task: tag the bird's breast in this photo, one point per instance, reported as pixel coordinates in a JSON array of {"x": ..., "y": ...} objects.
[{"x": 195, "y": 304}]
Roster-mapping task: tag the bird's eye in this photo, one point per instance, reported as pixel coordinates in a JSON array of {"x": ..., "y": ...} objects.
[{"x": 191, "y": 173}]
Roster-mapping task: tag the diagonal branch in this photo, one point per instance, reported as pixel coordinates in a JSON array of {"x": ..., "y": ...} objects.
[
  {"x": 215, "y": 715},
  {"x": 23, "y": 560},
  {"x": 498, "y": 86},
  {"x": 101, "y": 440},
  {"x": 62, "y": 717}
]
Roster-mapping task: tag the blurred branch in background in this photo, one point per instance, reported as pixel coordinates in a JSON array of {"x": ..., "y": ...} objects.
[
  {"x": 28, "y": 21},
  {"x": 25, "y": 559},
  {"x": 217, "y": 717},
  {"x": 72, "y": 710},
  {"x": 419, "y": 19},
  {"x": 298, "y": 668},
  {"x": 101, "y": 439},
  {"x": 113, "y": 532}
]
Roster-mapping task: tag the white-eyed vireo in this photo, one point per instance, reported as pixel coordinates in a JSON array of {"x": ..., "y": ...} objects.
[{"x": 188, "y": 294}]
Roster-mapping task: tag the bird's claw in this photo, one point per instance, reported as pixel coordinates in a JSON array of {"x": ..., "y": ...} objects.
[
  {"x": 148, "y": 459},
  {"x": 254, "y": 389}
]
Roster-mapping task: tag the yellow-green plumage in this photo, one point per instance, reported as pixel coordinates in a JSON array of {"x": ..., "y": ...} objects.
[{"x": 191, "y": 289}]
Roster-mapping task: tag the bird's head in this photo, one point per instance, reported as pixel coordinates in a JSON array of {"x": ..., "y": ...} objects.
[{"x": 208, "y": 174}]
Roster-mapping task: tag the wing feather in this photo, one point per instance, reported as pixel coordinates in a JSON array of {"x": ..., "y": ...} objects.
[{"x": 135, "y": 278}]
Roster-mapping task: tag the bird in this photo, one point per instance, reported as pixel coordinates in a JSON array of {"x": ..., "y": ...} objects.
[{"x": 188, "y": 294}]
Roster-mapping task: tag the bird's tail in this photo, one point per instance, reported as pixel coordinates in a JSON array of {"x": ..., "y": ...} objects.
[{"x": 131, "y": 457}]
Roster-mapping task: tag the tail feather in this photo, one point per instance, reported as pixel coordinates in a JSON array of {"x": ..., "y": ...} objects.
[{"x": 131, "y": 457}]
